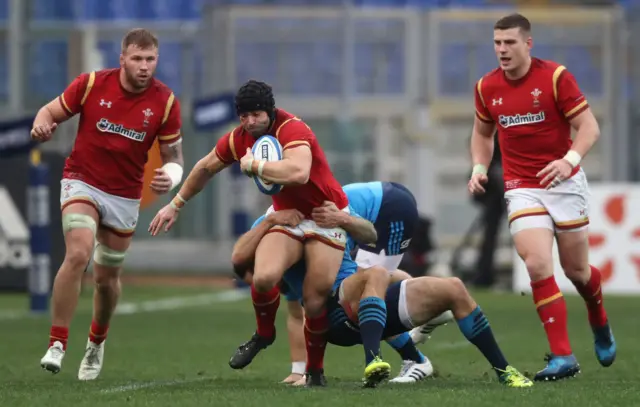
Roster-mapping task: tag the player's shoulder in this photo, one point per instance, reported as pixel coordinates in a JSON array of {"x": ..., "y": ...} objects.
[
  {"x": 161, "y": 89},
  {"x": 547, "y": 67},
  {"x": 104, "y": 77},
  {"x": 489, "y": 80},
  {"x": 288, "y": 121}
]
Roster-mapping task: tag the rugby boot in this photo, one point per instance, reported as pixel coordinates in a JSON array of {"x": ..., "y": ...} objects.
[
  {"x": 52, "y": 360},
  {"x": 315, "y": 378},
  {"x": 605, "y": 345},
  {"x": 248, "y": 350},
  {"x": 376, "y": 372},
  {"x": 558, "y": 367},
  {"x": 511, "y": 377},
  {"x": 412, "y": 372}
]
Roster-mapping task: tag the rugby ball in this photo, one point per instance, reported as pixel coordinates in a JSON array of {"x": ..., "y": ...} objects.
[{"x": 267, "y": 148}]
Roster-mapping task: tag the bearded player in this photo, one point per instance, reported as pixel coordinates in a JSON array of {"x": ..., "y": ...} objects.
[
  {"x": 534, "y": 104},
  {"x": 122, "y": 112},
  {"x": 308, "y": 183}
]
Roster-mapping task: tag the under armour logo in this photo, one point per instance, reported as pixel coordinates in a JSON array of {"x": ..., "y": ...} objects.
[
  {"x": 105, "y": 103},
  {"x": 549, "y": 321},
  {"x": 497, "y": 101}
]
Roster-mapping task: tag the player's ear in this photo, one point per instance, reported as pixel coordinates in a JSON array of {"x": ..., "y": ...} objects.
[
  {"x": 121, "y": 59},
  {"x": 529, "y": 43}
]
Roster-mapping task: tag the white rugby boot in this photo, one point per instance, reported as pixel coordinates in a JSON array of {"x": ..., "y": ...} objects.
[
  {"x": 91, "y": 364},
  {"x": 420, "y": 334},
  {"x": 52, "y": 360},
  {"x": 412, "y": 372}
]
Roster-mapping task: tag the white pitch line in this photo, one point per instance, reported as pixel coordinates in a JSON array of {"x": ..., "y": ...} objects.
[
  {"x": 147, "y": 385},
  {"x": 164, "y": 304}
]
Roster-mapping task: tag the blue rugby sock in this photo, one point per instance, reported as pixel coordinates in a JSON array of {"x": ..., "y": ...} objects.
[
  {"x": 475, "y": 327},
  {"x": 372, "y": 316},
  {"x": 406, "y": 348}
]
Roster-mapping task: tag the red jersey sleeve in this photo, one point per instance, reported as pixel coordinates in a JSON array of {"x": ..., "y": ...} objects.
[
  {"x": 481, "y": 108},
  {"x": 294, "y": 133},
  {"x": 225, "y": 148},
  {"x": 171, "y": 122},
  {"x": 569, "y": 97},
  {"x": 76, "y": 93}
]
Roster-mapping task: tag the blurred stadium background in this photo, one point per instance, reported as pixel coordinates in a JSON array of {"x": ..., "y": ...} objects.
[{"x": 385, "y": 84}]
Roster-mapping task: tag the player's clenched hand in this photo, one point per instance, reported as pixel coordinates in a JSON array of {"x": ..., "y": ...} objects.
[
  {"x": 167, "y": 215},
  {"x": 161, "y": 183},
  {"x": 43, "y": 132},
  {"x": 328, "y": 215},
  {"x": 554, "y": 173},
  {"x": 476, "y": 183},
  {"x": 246, "y": 163},
  {"x": 286, "y": 217}
]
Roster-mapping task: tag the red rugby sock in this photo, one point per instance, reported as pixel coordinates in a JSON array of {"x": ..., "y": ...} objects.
[
  {"x": 314, "y": 334},
  {"x": 591, "y": 292},
  {"x": 552, "y": 310},
  {"x": 59, "y": 334},
  {"x": 98, "y": 333},
  {"x": 266, "y": 308}
]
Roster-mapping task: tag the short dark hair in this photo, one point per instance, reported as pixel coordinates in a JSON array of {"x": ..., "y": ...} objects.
[
  {"x": 141, "y": 38},
  {"x": 514, "y": 20}
]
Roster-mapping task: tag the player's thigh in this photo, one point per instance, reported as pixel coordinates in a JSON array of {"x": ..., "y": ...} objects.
[
  {"x": 428, "y": 297},
  {"x": 398, "y": 275},
  {"x": 277, "y": 251},
  {"x": 323, "y": 253},
  {"x": 399, "y": 214},
  {"x": 80, "y": 218},
  {"x": 532, "y": 230}
]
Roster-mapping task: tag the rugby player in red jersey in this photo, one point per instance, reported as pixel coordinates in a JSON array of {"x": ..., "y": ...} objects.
[
  {"x": 309, "y": 183},
  {"x": 534, "y": 104},
  {"x": 122, "y": 112}
]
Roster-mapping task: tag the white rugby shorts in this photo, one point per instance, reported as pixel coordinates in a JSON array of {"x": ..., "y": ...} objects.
[
  {"x": 307, "y": 229},
  {"x": 564, "y": 208},
  {"x": 118, "y": 214}
]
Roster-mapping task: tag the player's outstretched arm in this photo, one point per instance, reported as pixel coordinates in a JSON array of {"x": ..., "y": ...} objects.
[
  {"x": 293, "y": 169},
  {"x": 202, "y": 172}
]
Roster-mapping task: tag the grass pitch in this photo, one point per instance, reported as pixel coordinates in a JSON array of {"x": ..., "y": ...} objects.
[{"x": 170, "y": 347}]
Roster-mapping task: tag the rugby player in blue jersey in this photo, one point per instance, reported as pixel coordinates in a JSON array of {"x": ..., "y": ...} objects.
[{"x": 352, "y": 305}]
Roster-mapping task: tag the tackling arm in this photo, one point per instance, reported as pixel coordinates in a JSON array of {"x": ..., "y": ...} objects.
[
  {"x": 293, "y": 169},
  {"x": 245, "y": 248},
  {"x": 359, "y": 228},
  {"x": 51, "y": 113}
]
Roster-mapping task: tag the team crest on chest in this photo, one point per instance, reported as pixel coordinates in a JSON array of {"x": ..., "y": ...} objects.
[
  {"x": 536, "y": 94},
  {"x": 147, "y": 116}
]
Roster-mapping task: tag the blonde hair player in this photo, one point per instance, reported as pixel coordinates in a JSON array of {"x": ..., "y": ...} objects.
[{"x": 123, "y": 111}]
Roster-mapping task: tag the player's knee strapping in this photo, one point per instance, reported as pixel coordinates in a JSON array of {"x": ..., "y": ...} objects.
[
  {"x": 78, "y": 221},
  {"x": 108, "y": 257}
]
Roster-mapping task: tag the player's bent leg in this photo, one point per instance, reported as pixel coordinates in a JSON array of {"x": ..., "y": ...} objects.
[
  {"x": 323, "y": 259},
  {"x": 79, "y": 220},
  {"x": 573, "y": 248},
  {"x": 425, "y": 297},
  {"x": 295, "y": 328},
  {"x": 108, "y": 260},
  {"x": 276, "y": 253},
  {"x": 533, "y": 239}
]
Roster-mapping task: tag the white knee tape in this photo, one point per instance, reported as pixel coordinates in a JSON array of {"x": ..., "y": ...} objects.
[{"x": 108, "y": 257}]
